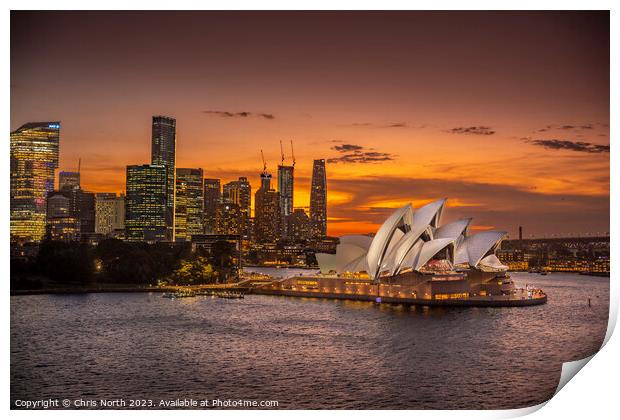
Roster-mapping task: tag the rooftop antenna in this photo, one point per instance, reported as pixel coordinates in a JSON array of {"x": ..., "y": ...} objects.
[
  {"x": 79, "y": 164},
  {"x": 293, "y": 153},
  {"x": 282, "y": 153}
]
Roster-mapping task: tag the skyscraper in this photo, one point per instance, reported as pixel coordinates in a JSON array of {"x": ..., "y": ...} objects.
[
  {"x": 189, "y": 203},
  {"x": 119, "y": 215},
  {"x": 267, "y": 220},
  {"x": 265, "y": 180},
  {"x": 34, "y": 158},
  {"x": 62, "y": 222},
  {"x": 109, "y": 213},
  {"x": 286, "y": 184},
  {"x": 298, "y": 226},
  {"x": 239, "y": 192},
  {"x": 318, "y": 199},
  {"x": 163, "y": 152},
  {"x": 85, "y": 206},
  {"x": 229, "y": 219},
  {"x": 212, "y": 196},
  {"x": 146, "y": 204},
  {"x": 68, "y": 180}
]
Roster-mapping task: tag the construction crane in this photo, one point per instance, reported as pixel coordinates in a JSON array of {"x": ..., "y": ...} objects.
[
  {"x": 282, "y": 154},
  {"x": 292, "y": 153},
  {"x": 264, "y": 163}
]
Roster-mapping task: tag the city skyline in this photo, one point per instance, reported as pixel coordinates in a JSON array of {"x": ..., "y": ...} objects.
[{"x": 509, "y": 148}]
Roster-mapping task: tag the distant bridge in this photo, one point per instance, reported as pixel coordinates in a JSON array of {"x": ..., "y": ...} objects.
[{"x": 570, "y": 243}]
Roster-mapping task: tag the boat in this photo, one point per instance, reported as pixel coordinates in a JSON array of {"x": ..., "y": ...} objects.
[
  {"x": 230, "y": 295},
  {"x": 184, "y": 294},
  {"x": 178, "y": 294}
]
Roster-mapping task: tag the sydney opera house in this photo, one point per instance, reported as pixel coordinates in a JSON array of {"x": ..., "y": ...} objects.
[{"x": 414, "y": 258}]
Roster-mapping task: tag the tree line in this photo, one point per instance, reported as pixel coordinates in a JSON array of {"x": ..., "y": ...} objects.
[{"x": 127, "y": 263}]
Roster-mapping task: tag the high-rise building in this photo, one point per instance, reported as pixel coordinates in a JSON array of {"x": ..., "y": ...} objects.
[
  {"x": 298, "y": 226},
  {"x": 85, "y": 205},
  {"x": 286, "y": 181},
  {"x": 109, "y": 213},
  {"x": 265, "y": 180},
  {"x": 189, "y": 203},
  {"x": 163, "y": 152},
  {"x": 238, "y": 192},
  {"x": 146, "y": 204},
  {"x": 68, "y": 180},
  {"x": 59, "y": 204},
  {"x": 318, "y": 199},
  {"x": 212, "y": 196},
  {"x": 34, "y": 158},
  {"x": 62, "y": 222},
  {"x": 229, "y": 219},
  {"x": 119, "y": 215},
  {"x": 267, "y": 220}
]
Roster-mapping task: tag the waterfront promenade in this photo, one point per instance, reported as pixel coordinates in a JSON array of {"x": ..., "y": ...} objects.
[
  {"x": 519, "y": 298},
  {"x": 260, "y": 287}
]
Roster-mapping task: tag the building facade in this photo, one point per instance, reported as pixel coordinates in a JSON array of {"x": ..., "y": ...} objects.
[
  {"x": 68, "y": 180},
  {"x": 34, "y": 158},
  {"x": 267, "y": 220},
  {"x": 298, "y": 226},
  {"x": 229, "y": 219},
  {"x": 212, "y": 197},
  {"x": 109, "y": 213},
  {"x": 318, "y": 199},
  {"x": 146, "y": 203},
  {"x": 286, "y": 184},
  {"x": 189, "y": 203},
  {"x": 163, "y": 152},
  {"x": 85, "y": 205},
  {"x": 62, "y": 222},
  {"x": 239, "y": 192}
]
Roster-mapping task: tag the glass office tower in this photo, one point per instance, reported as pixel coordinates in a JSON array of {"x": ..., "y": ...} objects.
[{"x": 34, "y": 158}]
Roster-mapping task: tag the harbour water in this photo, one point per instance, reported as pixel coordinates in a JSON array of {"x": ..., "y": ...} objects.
[{"x": 304, "y": 353}]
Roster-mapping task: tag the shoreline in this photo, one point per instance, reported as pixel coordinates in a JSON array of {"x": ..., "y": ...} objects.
[
  {"x": 67, "y": 290},
  {"x": 471, "y": 302},
  {"x": 74, "y": 290},
  {"x": 478, "y": 301}
]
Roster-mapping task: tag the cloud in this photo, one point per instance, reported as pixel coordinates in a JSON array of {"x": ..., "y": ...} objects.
[
  {"x": 354, "y": 153},
  {"x": 347, "y": 147},
  {"x": 399, "y": 124},
  {"x": 242, "y": 114},
  {"x": 575, "y": 146},
  {"x": 567, "y": 127},
  {"x": 480, "y": 130}
]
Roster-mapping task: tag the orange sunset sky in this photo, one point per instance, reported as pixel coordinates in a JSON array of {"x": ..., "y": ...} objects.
[{"x": 504, "y": 113}]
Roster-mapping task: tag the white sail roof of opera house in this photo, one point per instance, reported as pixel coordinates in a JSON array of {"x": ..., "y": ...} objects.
[
  {"x": 452, "y": 230},
  {"x": 477, "y": 246},
  {"x": 400, "y": 221},
  {"x": 414, "y": 240},
  {"x": 362, "y": 241}
]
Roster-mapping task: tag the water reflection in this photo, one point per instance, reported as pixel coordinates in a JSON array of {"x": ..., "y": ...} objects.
[{"x": 304, "y": 352}]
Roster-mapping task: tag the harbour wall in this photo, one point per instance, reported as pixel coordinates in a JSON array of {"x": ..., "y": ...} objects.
[{"x": 477, "y": 301}]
